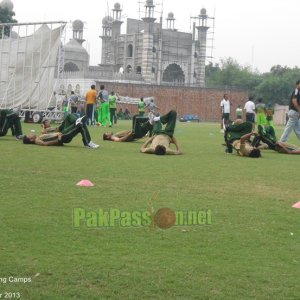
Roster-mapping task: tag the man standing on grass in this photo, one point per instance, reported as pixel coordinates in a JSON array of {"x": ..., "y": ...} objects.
[
  {"x": 141, "y": 107},
  {"x": 260, "y": 108},
  {"x": 73, "y": 100},
  {"x": 225, "y": 112},
  {"x": 293, "y": 115},
  {"x": 152, "y": 107},
  {"x": 103, "y": 96},
  {"x": 112, "y": 107},
  {"x": 239, "y": 112},
  {"x": 90, "y": 98},
  {"x": 250, "y": 112}
]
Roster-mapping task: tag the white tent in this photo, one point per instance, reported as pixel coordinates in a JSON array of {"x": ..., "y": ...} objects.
[{"x": 29, "y": 65}]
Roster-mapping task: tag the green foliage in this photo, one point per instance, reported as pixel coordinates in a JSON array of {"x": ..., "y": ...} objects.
[
  {"x": 278, "y": 84},
  {"x": 6, "y": 16},
  {"x": 230, "y": 74},
  {"x": 274, "y": 86}
]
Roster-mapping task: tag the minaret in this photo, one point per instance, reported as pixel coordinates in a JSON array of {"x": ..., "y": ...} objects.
[
  {"x": 202, "y": 29},
  {"x": 116, "y": 25},
  {"x": 147, "y": 56},
  {"x": 106, "y": 40},
  {"x": 77, "y": 26},
  {"x": 170, "y": 21}
]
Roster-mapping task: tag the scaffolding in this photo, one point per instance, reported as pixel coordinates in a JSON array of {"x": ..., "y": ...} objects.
[
  {"x": 177, "y": 58},
  {"x": 31, "y": 68}
]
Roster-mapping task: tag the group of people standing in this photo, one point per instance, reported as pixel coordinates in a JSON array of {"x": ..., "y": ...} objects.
[
  {"x": 101, "y": 108},
  {"x": 152, "y": 107},
  {"x": 259, "y": 113}
]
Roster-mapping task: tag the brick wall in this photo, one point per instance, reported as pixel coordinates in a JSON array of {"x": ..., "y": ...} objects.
[{"x": 185, "y": 100}]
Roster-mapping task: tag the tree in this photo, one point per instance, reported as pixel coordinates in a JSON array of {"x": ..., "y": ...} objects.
[
  {"x": 274, "y": 86},
  {"x": 230, "y": 74},
  {"x": 6, "y": 16},
  {"x": 277, "y": 85}
]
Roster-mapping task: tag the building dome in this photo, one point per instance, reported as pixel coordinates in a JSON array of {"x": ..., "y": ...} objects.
[
  {"x": 149, "y": 3},
  {"x": 7, "y": 4},
  {"x": 107, "y": 20},
  {"x": 77, "y": 25},
  {"x": 170, "y": 15},
  {"x": 203, "y": 11},
  {"x": 117, "y": 6},
  {"x": 74, "y": 46}
]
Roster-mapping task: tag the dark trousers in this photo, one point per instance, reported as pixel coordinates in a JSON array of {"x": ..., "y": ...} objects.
[
  {"x": 140, "y": 126},
  {"x": 266, "y": 134},
  {"x": 113, "y": 117},
  {"x": 250, "y": 117},
  {"x": 90, "y": 114},
  {"x": 170, "y": 120},
  {"x": 73, "y": 109},
  {"x": 235, "y": 132},
  {"x": 10, "y": 120},
  {"x": 70, "y": 130}
]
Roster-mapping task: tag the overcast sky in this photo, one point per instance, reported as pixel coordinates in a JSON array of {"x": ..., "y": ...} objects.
[{"x": 257, "y": 33}]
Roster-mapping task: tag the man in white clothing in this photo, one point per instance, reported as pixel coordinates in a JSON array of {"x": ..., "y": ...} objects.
[
  {"x": 250, "y": 111},
  {"x": 225, "y": 111}
]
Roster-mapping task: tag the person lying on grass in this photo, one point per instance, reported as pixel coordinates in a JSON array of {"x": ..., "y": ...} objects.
[
  {"x": 163, "y": 138},
  {"x": 46, "y": 127},
  {"x": 286, "y": 148},
  {"x": 264, "y": 139},
  {"x": 10, "y": 120},
  {"x": 140, "y": 127},
  {"x": 160, "y": 145},
  {"x": 237, "y": 136},
  {"x": 70, "y": 127}
]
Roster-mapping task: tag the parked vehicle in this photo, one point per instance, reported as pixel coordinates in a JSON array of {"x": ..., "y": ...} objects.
[{"x": 189, "y": 118}]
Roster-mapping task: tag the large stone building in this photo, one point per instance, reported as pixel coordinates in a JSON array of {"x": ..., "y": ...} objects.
[{"x": 147, "y": 53}]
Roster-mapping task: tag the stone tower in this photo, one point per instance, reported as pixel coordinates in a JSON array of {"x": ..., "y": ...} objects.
[
  {"x": 106, "y": 53},
  {"x": 202, "y": 29},
  {"x": 147, "y": 54},
  {"x": 116, "y": 24},
  {"x": 77, "y": 26}
]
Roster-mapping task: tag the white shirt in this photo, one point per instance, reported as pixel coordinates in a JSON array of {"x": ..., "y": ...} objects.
[
  {"x": 250, "y": 107},
  {"x": 225, "y": 104}
]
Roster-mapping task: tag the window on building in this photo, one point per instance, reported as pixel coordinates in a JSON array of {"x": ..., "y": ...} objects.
[
  {"x": 138, "y": 70},
  {"x": 129, "y": 50},
  {"x": 153, "y": 49},
  {"x": 71, "y": 67},
  {"x": 174, "y": 73},
  {"x": 153, "y": 70},
  {"x": 195, "y": 55},
  {"x": 129, "y": 69}
]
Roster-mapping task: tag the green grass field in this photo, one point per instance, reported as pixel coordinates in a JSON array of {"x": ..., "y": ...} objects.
[{"x": 250, "y": 251}]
